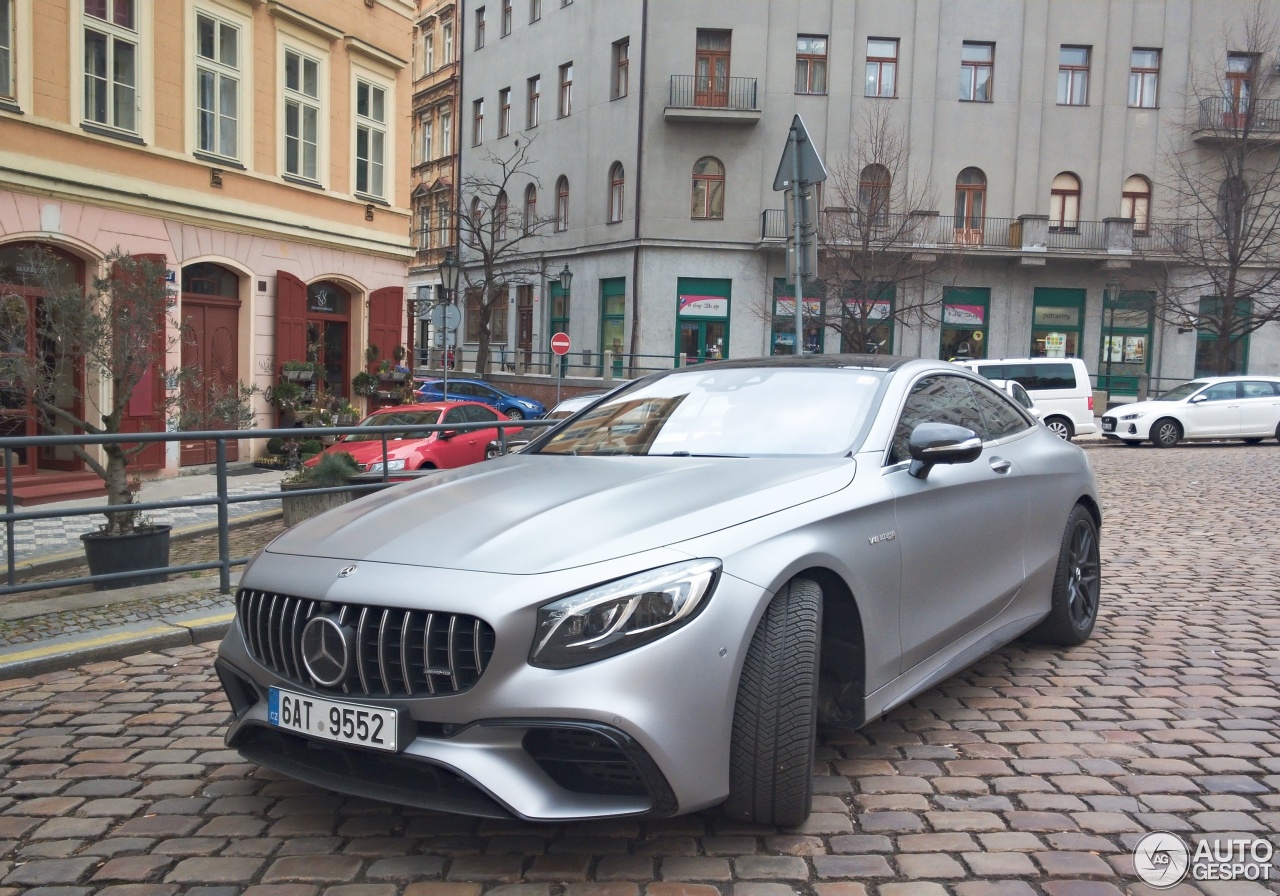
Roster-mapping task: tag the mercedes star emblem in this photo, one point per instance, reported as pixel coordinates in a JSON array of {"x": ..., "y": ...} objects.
[
  {"x": 326, "y": 650},
  {"x": 346, "y": 571}
]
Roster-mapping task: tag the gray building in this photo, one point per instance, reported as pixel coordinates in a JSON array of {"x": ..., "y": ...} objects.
[{"x": 1033, "y": 206}]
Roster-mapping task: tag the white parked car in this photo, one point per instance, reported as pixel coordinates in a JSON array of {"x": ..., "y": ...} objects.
[
  {"x": 1020, "y": 395},
  {"x": 1222, "y": 407},
  {"x": 1060, "y": 386}
]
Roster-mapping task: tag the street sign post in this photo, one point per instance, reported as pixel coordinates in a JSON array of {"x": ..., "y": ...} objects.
[
  {"x": 560, "y": 345},
  {"x": 798, "y": 170}
]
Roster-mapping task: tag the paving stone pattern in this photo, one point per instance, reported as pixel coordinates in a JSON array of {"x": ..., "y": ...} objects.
[{"x": 1032, "y": 773}]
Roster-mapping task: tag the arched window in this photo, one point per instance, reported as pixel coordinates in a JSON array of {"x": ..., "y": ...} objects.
[
  {"x": 1135, "y": 203},
  {"x": 471, "y": 226},
  {"x": 500, "y": 211},
  {"x": 971, "y": 206},
  {"x": 1064, "y": 203},
  {"x": 1233, "y": 199},
  {"x": 530, "y": 208},
  {"x": 617, "y": 188},
  {"x": 208, "y": 279},
  {"x": 708, "y": 189},
  {"x": 873, "y": 193},
  {"x": 562, "y": 203}
]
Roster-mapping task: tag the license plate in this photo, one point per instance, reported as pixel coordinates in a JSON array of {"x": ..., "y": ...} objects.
[
  {"x": 334, "y": 720},
  {"x": 1108, "y": 425}
]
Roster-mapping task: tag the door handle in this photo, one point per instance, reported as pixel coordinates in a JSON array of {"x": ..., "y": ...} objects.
[{"x": 1000, "y": 465}]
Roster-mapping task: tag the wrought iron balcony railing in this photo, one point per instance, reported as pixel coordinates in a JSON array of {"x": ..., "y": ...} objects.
[
  {"x": 711, "y": 92},
  {"x": 1231, "y": 116}
]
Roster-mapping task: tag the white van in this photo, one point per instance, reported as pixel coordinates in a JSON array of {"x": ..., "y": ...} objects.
[{"x": 1060, "y": 387}]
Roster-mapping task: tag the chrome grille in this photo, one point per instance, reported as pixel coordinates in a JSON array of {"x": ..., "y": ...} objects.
[{"x": 398, "y": 653}]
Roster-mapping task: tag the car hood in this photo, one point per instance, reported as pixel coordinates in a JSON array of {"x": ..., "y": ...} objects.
[
  {"x": 528, "y": 514},
  {"x": 370, "y": 452},
  {"x": 1144, "y": 407}
]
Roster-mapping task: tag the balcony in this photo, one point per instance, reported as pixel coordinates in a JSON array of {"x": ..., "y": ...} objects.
[
  {"x": 712, "y": 100},
  {"x": 1225, "y": 119}
]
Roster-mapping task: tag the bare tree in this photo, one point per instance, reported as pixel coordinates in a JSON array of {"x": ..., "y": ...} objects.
[
  {"x": 495, "y": 238},
  {"x": 1217, "y": 265},
  {"x": 875, "y": 271}
]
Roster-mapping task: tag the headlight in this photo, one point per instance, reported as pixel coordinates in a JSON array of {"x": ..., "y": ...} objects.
[
  {"x": 1133, "y": 416},
  {"x": 617, "y": 616},
  {"x": 392, "y": 466}
]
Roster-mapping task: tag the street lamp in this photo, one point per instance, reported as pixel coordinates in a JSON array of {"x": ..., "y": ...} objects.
[
  {"x": 566, "y": 278},
  {"x": 1109, "y": 298},
  {"x": 449, "y": 271}
]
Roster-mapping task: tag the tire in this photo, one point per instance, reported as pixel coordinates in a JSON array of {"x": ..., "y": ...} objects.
[
  {"x": 515, "y": 414},
  {"x": 775, "y": 717},
  {"x": 491, "y": 451},
  {"x": 1061, "y": 427},
  {"x": 1165, "y": 432},
  {"x": 1077, "y": 584},
  {"x": 1253, "y": 441},
  {"x": 1132, "y": 443}
]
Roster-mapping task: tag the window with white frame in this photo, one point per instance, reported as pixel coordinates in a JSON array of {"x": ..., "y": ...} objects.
[
  {"x": 301, "y": 115},
  {"x": 217, "y": 86},
  {"x": 111, "y": 63},
  {"x": 535, "y": 10},
  {"x": 446, "y": 35},
  {"x": 371, "y": 138},
  {"x": 428, "y": 50},
  {"x": 8, "y": 81},
  {"x": 446, "y": 133},
  {"x": 428, "y": 132},
  {"x": 477, "y": 122},
  {"x": 480, "y": 28},
  {"x": 504, "y": 111},
  {"x": 442, "y": 221}
]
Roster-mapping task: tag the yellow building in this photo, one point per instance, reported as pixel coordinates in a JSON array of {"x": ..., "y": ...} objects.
[{"x": 260, "y": 148}]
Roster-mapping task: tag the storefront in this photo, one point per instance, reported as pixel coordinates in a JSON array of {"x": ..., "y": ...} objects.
[
  {"x": 1057, "y": 326},
  {"x": 613, "y": 321},
  {"x": 702, "y": 319},
  {"x": 782, "y": 335},
  {"x": 867, "y": 325},
  {"x": 964, "y": 323},
  {"x": 1126, "y": 343},
  {"x": 559, "y": 319},
  {"x": 329, "y": 334}
]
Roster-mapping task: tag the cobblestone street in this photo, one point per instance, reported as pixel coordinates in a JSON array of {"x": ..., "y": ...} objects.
[{"x": 1033, "y": 772}]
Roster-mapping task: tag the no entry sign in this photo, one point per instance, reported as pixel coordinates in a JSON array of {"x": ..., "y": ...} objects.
[{"x": 560, "y": 343}]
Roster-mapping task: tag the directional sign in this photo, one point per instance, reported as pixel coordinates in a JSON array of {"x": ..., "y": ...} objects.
[
  {"x": 800, "y": 160},
  {"x": 560, "y": 343}
]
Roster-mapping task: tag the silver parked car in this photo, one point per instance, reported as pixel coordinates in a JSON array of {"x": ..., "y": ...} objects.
[{"x": 651, "y": 608}]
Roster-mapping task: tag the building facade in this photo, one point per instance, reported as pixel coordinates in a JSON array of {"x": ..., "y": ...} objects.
[
  {"x": 258, "y": 150},
  {"x": 1038, "y": 135},
  {"x": 434, "y": 178}
]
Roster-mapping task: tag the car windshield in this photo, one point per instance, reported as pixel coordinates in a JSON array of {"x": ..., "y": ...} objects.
[
  {"x": 1177, "y": 393},
  {"x": 395, "y": 419},
  {"x": 735, "y": 412}
]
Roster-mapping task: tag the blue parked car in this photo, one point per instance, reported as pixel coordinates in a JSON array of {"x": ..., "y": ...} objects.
[{"x": 516, "y": 407}]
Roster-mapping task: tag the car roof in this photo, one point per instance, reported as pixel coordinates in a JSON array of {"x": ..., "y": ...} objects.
[
  {"x": 858, "y": 362},
  {"x": 426, "y": 406}
]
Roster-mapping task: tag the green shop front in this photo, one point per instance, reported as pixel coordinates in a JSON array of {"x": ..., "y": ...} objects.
[
  {"x": 1126, "y": 342},
  {"x": 702, "y": 319}
]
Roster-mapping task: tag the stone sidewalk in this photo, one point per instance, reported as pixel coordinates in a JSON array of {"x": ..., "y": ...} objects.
[{"x": 1032, "y": 773}]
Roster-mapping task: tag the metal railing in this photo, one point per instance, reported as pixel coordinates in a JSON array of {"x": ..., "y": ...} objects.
[
  {"x": 1235, "y": 117},
  {"x": 711, "y": 92},
  {"x": 221, "y": 499}
]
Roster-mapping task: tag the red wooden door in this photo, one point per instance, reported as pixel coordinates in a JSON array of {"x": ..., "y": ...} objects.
[
  {"x": 386, "y": 324},
  {"x": 291, "y": 319},
  {"x": 145, "y": 410},
  {"x": 210, "y": 345}
]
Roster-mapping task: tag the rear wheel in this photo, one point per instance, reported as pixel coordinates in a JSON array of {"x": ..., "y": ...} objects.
[
  {"x": 1077, "y": 584},
  {"x": 1166, "y": 433},
  {"x": 775, "y": 718},
  {"x": 1060, "y": 427},
  {"x": 515, "y": 414}
]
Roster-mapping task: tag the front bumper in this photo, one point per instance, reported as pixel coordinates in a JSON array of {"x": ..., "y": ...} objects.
[
  {"x": 1126, "y": 430},
  {"x": 643, "y": 733}
]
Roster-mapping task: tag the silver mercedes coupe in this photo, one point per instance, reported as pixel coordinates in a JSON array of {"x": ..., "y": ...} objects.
[{"x": 651, "y": 608}]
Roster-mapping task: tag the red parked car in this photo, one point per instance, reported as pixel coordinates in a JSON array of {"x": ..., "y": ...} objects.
[{"x": 443, "y": 449}]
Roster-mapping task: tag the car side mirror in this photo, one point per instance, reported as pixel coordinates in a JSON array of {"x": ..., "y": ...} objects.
[
  {"x": 941, "y": 443},
  {"x": 446, "y": 434},
  {"x": 1196, "y": 399}
]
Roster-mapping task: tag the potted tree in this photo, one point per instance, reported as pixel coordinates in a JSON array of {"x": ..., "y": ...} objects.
[
  {"x": 105, "y": 343},
  {"x": 330, "y": 471}
]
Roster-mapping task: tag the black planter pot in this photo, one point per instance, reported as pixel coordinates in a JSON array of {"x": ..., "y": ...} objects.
[{"x": 147, "y": 549}]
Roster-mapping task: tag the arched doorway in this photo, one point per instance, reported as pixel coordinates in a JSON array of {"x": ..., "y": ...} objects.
[
  {"x": 329, "y": 334},
  {"x": 210, "y": 343},
  {"x": 21, "y": 306}
]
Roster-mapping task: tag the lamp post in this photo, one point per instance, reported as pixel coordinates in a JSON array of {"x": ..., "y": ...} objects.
[
  {"x": 449, "y": 271},
  {"x": 565, "y": 279},
  {"x": 1109, "y": 299}
]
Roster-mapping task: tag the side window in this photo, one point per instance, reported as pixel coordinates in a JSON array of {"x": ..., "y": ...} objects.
[
  {"x": 992, "y": 371},
  {"x": 1002, "y": 416},
  {"x": 935, "y": 399},
  {"x": 477, "y": 414},
  {"x": 1258, "y": 390},
  {"x": 1220, "y": 392},
  {"x": 1051, "y": 376},
  {"x": 463, "y": 389},
  {"x": 455, "y": 416}
]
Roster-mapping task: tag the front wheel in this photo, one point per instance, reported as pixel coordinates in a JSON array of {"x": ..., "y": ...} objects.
[
  {"x": 1253, "y": 441},
  {"x": 775, "y": 718},
  {"x": 491, "y": 451},
  {"x": 1077, "y": 584},
  {"x": 1060, "y": 427},
  {"x": 515, "y": 414},
  {"x": 1166, "y": 433}
]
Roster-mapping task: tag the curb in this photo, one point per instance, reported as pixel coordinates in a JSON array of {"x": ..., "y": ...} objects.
[{"x": 117, "y": 643}]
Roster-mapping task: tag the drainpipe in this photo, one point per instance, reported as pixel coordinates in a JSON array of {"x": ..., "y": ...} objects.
[{"x": 635, "y": 251}]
